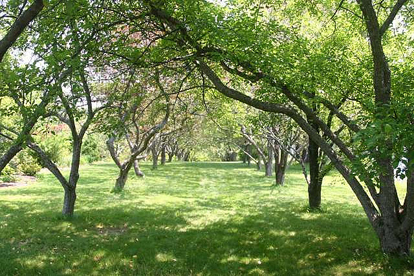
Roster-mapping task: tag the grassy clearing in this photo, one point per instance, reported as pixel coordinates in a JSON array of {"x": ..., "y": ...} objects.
[{"x": 188, "y": 219}]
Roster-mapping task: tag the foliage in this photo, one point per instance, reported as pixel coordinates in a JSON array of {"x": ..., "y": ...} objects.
[
  {"x": 56, "y": 145},
  {"x": 7, "y": 175},
  {"x": 93, "y": 148},
  {"x": 27, "y": 164}
]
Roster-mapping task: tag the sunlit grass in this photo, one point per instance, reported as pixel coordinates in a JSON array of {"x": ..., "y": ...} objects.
[{"x": 188, "y": 219}]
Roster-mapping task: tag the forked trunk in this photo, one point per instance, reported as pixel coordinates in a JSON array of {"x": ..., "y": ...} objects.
[
  {"x": 170, "y": 157},
  {"x": 69, "y": 201}
]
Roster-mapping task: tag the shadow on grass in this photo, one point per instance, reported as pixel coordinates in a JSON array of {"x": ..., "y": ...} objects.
[
  {"x": 164, "y": 242},
  {"x": 185, "y": 219}
]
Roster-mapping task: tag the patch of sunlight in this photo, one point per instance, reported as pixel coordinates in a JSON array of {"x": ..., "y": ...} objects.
[
  {"x": 231, "y": 258},
  {"x": 354, "y": 267},
  {"x": 199, "y": 220},
  {"x": 246, "y": 260},
  {"x": 257, "y": 271},
  {"x": 39, "y": 261},
  {"x": 98, "y": 255},
  {"x": 310, "y": 216},
  {"x": 284, "y": 233},
  {"x": 30, "y": 198},
  {"x": 165, "y": 257}
]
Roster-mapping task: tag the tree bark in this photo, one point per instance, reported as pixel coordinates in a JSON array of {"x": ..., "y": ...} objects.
[
  {"x": 69, "y": 201},
  {"x": 394, "y": 243},
  {"x": 315, "y": 185},
  {"x": 122, "y": 178},
  {"x": 281, "y": 164},
  {"x": 163, "y": 155}
]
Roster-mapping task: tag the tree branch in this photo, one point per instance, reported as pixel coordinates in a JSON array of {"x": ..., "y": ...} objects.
[
  {"x": 19, "y": 25},
  {"x": 392, "y": 16}
]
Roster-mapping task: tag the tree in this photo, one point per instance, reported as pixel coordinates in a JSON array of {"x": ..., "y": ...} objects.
[
  {"x": 392, "y": 221},
  {"x": 74, "y": 99},
  {"x": 139, "y": 123}
]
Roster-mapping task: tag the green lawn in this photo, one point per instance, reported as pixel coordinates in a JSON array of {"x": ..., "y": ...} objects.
[{"x": 188, "y": 219}]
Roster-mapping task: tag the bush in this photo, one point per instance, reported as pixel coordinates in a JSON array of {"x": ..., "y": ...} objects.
[
  {"x": 27, "y": 164},
  {"x": 56, "y": 147},
  {"x": 29, "y": 168},
  {"x": 94, "y": 147},
  {"x": 7, "y": 175}
]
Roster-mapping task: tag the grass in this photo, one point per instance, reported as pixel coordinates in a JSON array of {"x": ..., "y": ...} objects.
[{"x": 188, "y": 219}]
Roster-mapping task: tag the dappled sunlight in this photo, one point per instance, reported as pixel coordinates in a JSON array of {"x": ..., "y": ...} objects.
[{"x": 171, "y": 224}]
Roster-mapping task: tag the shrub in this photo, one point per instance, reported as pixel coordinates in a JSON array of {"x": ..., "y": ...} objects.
[
  {"x": 7, "y": 175},
  {"x": 27, "y": 164},
  {"x": 94, "y": 147},
  {"x": 55, "y": 146}
]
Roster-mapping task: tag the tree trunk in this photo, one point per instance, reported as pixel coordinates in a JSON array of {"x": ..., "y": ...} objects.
[
  {"x": 395, "y": 244},
  {"x": 315, "y": 183},
  {"x": 269, "y": 162},
  {"x": 281, "y": 158},
  {"x": 121, "y": 180},
  {"x": 170, "y": 157},
  {"x": 186, "y": 157},
  {"x": 248, "y": 155},
  {"x": 137, "y": 170},
  {"x": 154, "y": 159},
  {"x": 163, "y": 155},
  {"x": 259, "y": 163},
  {"x": 8, "y": 156},
  {"x": 269, "y": 168},
  {"x": 69, "y": 201}
]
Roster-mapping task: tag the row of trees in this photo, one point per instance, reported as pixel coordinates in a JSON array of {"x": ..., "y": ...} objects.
[{"x": 327, "y": 66}]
